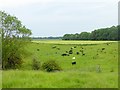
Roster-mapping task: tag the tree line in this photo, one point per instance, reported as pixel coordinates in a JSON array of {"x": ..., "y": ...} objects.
[{"x": 111, "y": 33}]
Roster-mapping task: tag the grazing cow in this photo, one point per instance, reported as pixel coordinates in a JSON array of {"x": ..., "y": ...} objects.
[
  {"x": 103, "y": 48},
  {"x": 73, "y": 62},
  {"x": 70, "y": 52},
  {"x": 77, "y": 53},
  {"x": 74, "y": 46},
  {"x": 83, "y": 54},
  {"x": 64, "y": 54}
]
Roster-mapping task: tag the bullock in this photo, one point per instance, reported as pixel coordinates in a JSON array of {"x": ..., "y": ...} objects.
[{"x": 73, "y": 62}]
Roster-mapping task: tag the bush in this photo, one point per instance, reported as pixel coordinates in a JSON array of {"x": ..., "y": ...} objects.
[
  {"x": 51, "y": 66},
  {"x": 13, "y": 62},
  {"x": 36, "y": 64}
]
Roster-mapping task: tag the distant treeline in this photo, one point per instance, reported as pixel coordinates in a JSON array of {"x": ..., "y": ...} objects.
[
  {"x": 99, "y": 34},
  {"x": 46, "y": 37}
]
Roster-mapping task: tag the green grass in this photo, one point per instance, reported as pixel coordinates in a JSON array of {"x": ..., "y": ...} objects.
[
  {"x": 83, "y": 75},
  {"x": 0, "y": 79},
  {"x": 69, "y": 79}
]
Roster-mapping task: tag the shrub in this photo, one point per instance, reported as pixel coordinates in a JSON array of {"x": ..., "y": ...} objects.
[
  {"x": 35, "y": 64},
  {"x": 13, "y": 62},
  {"x": 51, "y": 66}
]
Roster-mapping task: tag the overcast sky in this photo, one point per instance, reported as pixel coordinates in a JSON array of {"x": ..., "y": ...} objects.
[{"x": 58, "y": 17}]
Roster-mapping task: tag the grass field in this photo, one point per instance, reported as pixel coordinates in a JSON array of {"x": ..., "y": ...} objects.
[
  {"x": 0, "y": 79},
  {"x": 82, "y": 75}
]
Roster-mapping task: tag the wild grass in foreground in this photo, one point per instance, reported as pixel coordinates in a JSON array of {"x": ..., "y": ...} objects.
[
  {"x": 0, "y": 79},
  {"x": 68, "y": 79}
]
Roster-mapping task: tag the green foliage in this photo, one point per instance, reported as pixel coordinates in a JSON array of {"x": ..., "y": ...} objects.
[
  {"x": 14, "y": 35},
  {"x": 35, "y": 64},
  {"x": 99, "y": 34},
  {"x": 51, "y": 66},
  {"x": 14, "y": 61}
]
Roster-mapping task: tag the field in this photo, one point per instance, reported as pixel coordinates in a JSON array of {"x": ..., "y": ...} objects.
[{"x": 97, "y": 67}]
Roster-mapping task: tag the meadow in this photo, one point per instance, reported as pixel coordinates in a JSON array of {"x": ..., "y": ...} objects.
[{"x": 96, "y": 68}]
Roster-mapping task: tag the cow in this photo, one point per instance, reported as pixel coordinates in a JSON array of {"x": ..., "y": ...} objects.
[
  {"x": 103, "y": 48},
  {"x": 70, "y": 52},
  {"x": 73, "y": 62},
  {"x": 77, "y": 53},
  {"x": 64, "y": 54}
]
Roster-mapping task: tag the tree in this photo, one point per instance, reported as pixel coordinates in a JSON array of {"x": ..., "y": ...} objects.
[{"x": 14, "y": 36}]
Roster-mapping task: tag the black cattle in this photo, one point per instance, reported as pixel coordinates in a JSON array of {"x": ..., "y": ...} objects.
[
  {"x": 74, "y": 46},
  {"x": 70, "y": 52},
  {"x": 77, "y": 53},
  {"x": 73, "y": 62},
  {"x": 64, "y": 54},
  {"x": 83, "y": 54},
  {"x": 103, "y": 48}
]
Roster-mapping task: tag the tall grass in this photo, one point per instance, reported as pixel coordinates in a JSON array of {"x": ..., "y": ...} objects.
[
  {"x": 68, "y": 79},
  {"x": 0, "y": 79}
]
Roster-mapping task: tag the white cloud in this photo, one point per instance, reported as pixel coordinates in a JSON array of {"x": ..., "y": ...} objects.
[{"x": 17, "y": 3}]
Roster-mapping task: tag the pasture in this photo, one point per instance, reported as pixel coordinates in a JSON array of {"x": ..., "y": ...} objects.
[{"x": 96, "y": 65}]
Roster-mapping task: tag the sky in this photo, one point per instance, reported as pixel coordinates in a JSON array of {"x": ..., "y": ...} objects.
[{"x": 58, "y": 17}]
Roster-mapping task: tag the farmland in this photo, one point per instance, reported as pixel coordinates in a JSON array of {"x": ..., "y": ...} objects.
[{"x": 96, "y": 66}]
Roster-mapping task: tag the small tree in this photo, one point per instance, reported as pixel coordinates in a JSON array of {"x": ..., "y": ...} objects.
[
  {"x": 14, "y": 35},
  {"x": 51, "y": 66}
]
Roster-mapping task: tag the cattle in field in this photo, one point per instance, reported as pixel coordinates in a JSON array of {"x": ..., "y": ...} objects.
[
  {"x": 103, "y": 48},
  {"x": 70, "y": 52},
  {"x": 77, "y": 53},
  {"x": 75, "y": 47},
  {"x": 73, "y": 62},
  {"x": 64, "y": 54},
  {"x": 83, "y": 54}
]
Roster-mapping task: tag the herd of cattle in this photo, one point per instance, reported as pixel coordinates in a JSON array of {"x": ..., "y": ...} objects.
[{"x": 80, "y": 52}]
